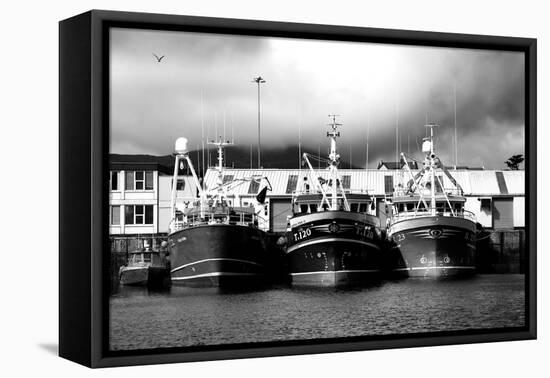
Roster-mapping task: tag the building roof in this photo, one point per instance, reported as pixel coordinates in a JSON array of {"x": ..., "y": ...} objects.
[
  {"x": 474, "y": 183},
  {"x": 139, "y": 166},
  {"x": 396, "y": 165}
]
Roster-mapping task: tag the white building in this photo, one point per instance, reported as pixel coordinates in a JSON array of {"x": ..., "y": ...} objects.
[
  {"x": 139, "y": 197},
  {"x": 497, "y": 198}
]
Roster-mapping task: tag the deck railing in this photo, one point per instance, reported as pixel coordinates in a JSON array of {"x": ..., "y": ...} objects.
[
  {"x": 450, "y": 192},
  {"x": 427, "y": 212},
  {"x": 314, "y": 191},
  {"x": 229, "y": 216}
]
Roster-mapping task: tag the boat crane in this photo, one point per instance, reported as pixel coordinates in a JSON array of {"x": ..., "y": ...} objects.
[{"x": 335, "y": 181}]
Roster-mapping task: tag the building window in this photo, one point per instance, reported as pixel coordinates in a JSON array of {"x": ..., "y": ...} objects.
[
  {"x": 485, "y": 205},
  {"x": 113, "y": 180},
  {"x": 291, "y": 184},
  {"x": 115, "y": 215},
  {"x": 254, "y": 187},
  {"x": 346, "y": 182},
  {"x": 388, "y": 184},
  {"x": 149, "y": 180},
  {"x": 180, "y": 185},
  {"x": 138, "y": 214},
  {"x": 139, "y": 180},
  {"x": 129, "y": 183}
]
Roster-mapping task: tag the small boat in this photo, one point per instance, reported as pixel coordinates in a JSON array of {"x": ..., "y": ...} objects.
[
  {"x": 430, "y": 232},
  {"x": 332, "y": 238},
  {"x": 146, "y": 268},
  {"x": 215, "y": 241}
]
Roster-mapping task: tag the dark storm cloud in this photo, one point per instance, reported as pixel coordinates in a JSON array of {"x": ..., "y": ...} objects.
[{"x": 205, "y": 80}]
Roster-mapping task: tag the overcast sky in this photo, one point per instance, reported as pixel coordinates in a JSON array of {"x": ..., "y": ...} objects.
[{"x": 375, "y": 88}]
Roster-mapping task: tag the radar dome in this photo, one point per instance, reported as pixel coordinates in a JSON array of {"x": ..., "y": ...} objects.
[
  {"x": 427, "y": 146},
  {"x": 181, "y": 145}
]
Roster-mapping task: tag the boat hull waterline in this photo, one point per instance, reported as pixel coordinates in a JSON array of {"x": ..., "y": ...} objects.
[
  {"x": 333, "y": 249},
  {"x": 434, "y": 247},
  {"x": 218, "y": 255}
]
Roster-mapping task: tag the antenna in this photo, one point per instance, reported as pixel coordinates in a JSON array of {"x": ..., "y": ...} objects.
[
  {"x": 333, "y": 124},
  {"x": 397, "y": 130},
  {"x": 224, "y": 124},
  {"x": 202, "y": 133},
  {"x": 300, "y": 140},
  {"x": 456, "y": 139},
  {"x": 367, "y": 152},
  {"x": 232, "y": 130},
  {"x": 216, "y": 124},
  {"x": 198, "y": 156},
  {"x": 220, "y": 143}
]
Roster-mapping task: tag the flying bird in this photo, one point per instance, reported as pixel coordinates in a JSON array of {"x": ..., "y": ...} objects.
[{"x": 157, "y": 57}]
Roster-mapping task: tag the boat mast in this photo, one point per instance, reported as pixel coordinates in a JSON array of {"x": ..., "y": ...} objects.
[
  {"x": 334, "y": 161},
  {"x": 182, "y": 154},
  {"x": 431, "y": 161},
  {"x": 220, "y": 144}
]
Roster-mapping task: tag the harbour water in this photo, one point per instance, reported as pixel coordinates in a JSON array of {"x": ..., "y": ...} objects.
[{"x": 141, "y": 319}]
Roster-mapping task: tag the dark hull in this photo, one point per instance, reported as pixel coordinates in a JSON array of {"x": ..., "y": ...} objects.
[
  {"x": 442, "y": 249},
  {"x": 218, "y": 256},
  {"x": 349, "y": 254},
  {"x": 134, "y": 276}
]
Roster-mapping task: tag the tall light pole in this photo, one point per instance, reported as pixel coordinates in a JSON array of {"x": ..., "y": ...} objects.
[{"x": 259, "y": 80}]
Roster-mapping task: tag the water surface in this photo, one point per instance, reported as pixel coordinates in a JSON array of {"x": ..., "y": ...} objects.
[{"x": 140, "y": 319}]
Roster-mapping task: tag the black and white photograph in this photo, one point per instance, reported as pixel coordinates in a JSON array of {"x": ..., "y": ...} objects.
[{"x": 269, "y": 189}]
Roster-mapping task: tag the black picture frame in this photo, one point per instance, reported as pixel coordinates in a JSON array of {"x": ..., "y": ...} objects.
[{"x": 83, "y": 167}]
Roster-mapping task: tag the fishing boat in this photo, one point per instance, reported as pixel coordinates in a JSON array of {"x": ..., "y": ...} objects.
[
  {"x": 332, "y": 239},
  {"x": 431, "y": 233},
  {"x": 146, "y": 267},
  {"x": 214, "y": 241}
]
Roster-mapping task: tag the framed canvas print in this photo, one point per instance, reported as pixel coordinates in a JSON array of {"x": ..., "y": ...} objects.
[{"x": 235, "y": 188}]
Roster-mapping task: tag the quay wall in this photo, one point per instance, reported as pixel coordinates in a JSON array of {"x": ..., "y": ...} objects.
[{"x": 501, "y": 251}]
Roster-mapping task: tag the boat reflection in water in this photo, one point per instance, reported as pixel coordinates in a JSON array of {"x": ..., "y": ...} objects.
[
  {"x": 213, "y": 241},
  {"x": 431, "y": 233},
  {"x": 332, "y": 239}
]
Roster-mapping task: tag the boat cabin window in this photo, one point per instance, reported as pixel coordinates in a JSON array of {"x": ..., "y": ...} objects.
[
  {"x": 363, "y": 208},
  {"x": 146, "y": 257},
  {"x": 354, "y": 207},
  {"x": 325, "y": 207},
  {"x": 180, "y": 184},
  {"x": 303, "y": 208},
  {"x": 313, "y": 208},
  {"x": 410, "y": 207}
]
